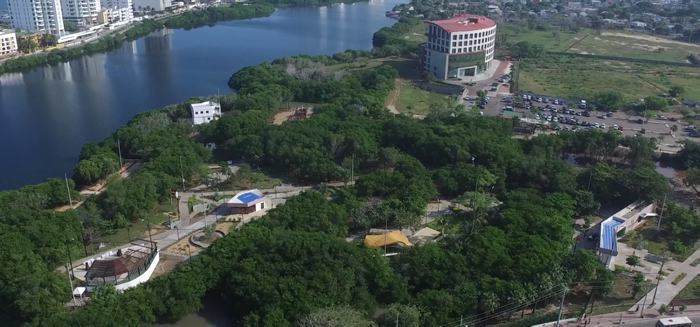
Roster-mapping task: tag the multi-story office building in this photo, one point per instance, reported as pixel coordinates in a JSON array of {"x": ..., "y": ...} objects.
[
  {"x": 81, "y": 12},
  {"x": 459, "y": 47},
  {"x": 118, "y": 10},
  {"x": 43, "y": 16},
  {"x": 8, "y": 43},
  {"x": 145, "y": 6}
]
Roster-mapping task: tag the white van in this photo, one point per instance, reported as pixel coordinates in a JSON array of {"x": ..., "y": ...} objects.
[{"x": 674, "y": 322}]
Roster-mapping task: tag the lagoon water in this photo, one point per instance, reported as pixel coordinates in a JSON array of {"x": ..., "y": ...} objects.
[{"x": 47, "y": 114}]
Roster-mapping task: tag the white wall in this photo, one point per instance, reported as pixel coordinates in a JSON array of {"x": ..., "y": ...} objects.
[{"x": 143, "y": 278}]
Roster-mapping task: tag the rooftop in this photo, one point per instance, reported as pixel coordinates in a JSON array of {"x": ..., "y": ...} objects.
[
  {"x": 204, "y": 105},
  {"x": 464, "y": 23},
  {"x": 246, "y": 198}
]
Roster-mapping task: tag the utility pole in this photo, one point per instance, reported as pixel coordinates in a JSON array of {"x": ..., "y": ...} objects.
[
  {"x": 70, "y": 273},
  {"x": 352, "y": 169},
  {"x": 182, "y": 176},
  {"x": 119, "y": 149},
  {"x": 397, "y": 319},
  {"x": 561, "y": 304},
  {"x": 663, "y": 206},
  {"x": 70, "y": 199},
  {"x": 644, "y": 303},
  {"x": 476, "y": 180},
  {"x": 386, "y": 231},
  {"x": 658, "y": 280},
  {"x": 70, "y": 281}
]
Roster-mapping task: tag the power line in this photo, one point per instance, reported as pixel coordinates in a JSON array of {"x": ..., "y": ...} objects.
[{"x": 513, "y": 306}]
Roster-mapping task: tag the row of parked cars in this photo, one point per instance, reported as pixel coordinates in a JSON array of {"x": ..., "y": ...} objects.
[
  {"x": 541, "y": 99},
  {"x": 574, "y": 121}
]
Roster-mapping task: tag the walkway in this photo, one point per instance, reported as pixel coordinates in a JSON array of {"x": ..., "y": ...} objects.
[{"x": 667, "y": 291}]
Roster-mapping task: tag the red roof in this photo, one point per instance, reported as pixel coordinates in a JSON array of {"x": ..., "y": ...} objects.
[{"x": 464, "y": 23}]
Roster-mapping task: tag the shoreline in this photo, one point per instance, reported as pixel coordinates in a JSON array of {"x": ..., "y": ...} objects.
[
  {"x": 116, "y": 38},
  {"x": 30, "y": 184},
  {"x": 110, "y": 41}
]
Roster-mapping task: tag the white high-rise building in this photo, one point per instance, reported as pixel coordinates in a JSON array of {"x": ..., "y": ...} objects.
[
  {"x": 81, "y": 12},
  {"x": 118, "y": 10},
  {"x": 460, "y": 46},
  {"x": 37, "y": 15}
]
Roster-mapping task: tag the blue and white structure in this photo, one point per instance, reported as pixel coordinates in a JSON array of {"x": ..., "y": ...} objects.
[
  {"x": 626, "y": 219},
  {"x": 245, "y": 202}
]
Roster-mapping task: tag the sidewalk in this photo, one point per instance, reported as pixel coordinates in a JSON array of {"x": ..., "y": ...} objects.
[{"x": 667, "y": 291}]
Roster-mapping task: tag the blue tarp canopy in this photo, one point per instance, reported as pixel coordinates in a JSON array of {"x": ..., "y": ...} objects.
[
  {"x": 608, "y": 234},
  {"x": 248, "y": 197}
]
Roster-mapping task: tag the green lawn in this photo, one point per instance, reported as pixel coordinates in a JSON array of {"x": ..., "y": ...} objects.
[
  {"x": 414, "y": 101},
  {"x": 691, "y": 291},
  {"x": 248, "y": 178},
  {"x": 623, "y": 44},
  {"x": 656, "y": 243},
  {"x": 156, "y": 218},
  {"x": 550, "y": 40},
  {"x": 612, "y": 43},
  {"x": 582, "y": 78}
]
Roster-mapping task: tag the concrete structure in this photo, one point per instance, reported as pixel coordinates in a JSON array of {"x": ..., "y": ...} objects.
[
  {"x": 82, "y": 12},
  {"x": 624, "y": 220},
  {"x": 43, "y": 16},
  {"x": 246, "y": 202},
  {"x": 125, "y": 268},
  {"x": 205, "y": 112},
  {"x": 144, "y": 6},
  {"x": 459, "y": 47},
  {"x": 118, "y": 10},
  {"x": 8, "y": 43}
]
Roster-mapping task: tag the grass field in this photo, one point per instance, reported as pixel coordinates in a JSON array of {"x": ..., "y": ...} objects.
[
  {"x": 611, "y": 43},
  {"x": 691, "y": 291},
  {"x": 581, "y": 78},
  {"x": 414, "y": 101},
  {"x": 550, "y": 40}
]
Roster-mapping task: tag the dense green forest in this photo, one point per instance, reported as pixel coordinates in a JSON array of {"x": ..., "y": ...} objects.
[
  {"x": 186, "y": 20},
  {"x": 294, "y": 265}
]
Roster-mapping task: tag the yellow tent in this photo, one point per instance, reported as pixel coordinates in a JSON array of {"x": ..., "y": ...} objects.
[{"x": 392, "y": 238}]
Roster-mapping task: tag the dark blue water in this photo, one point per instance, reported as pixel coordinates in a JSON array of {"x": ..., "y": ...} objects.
[{"x": 46, "y": 115}]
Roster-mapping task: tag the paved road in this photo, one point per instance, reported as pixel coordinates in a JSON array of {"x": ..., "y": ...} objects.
[{"x": 634, "y": 319}]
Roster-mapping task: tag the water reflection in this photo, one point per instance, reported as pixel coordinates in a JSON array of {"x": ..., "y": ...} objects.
[{"x": 46, "y": 115}]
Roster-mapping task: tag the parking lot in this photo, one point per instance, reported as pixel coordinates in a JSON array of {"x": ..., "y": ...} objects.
[{"x": 557, "y": 114}]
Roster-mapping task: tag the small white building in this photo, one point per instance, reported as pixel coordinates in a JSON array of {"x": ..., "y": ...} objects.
[
  {"x": 8, "y": 43},
  {"x": 246, "y": 202},
  {"x": 205, "y": 112},
  {"x": 627, "y": 219}
]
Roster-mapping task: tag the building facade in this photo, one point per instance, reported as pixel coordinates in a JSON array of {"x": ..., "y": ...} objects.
[
  {"x": 81, "y": 12},
  {"x": 43, "y": 16},
  {"x": 8, "y": 43},
  {"x": 205, "y": 112},
  {"x": 118, "y": 10},
  {"x": 145, "y": 6},
  {"x": 460, "y": 46}
]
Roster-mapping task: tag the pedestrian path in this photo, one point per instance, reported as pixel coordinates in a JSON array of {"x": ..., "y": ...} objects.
[{"x": 666, "y": 289}]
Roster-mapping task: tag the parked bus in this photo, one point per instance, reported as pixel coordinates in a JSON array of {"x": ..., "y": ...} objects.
[{"x": 674, "y": 322}]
